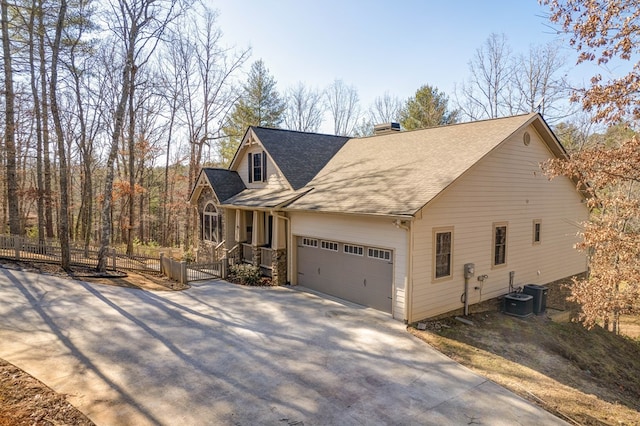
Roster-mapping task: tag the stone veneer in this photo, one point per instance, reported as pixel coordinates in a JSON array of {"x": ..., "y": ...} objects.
[{"x": 279, "y": 267}]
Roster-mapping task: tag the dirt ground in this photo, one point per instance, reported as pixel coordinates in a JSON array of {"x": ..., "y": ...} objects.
[
  {"x": 26, "y": 401},
  {"x": 585, "y": 377}
]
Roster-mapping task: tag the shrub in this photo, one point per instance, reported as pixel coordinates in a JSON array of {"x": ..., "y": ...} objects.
[
  {"x": 246, "y": 274},
  {"x": 189, "y": 256}
]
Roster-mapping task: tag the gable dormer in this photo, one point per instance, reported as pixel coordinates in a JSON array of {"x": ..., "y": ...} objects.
[
  {"x": 287, "y": 159},
  {"x": 255, "y": 166}
]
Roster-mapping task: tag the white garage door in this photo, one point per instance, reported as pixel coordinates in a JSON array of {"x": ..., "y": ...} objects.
[{"x": 353, "y": 272}]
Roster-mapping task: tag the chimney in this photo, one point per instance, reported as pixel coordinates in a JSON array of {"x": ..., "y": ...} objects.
[{"x": 385, "y": 128}]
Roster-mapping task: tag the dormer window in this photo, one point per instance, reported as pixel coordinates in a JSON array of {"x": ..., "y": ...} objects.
[{"x": 257, "y": 164}]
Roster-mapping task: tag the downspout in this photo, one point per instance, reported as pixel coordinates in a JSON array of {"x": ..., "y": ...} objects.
[
  {"x": 466, "y": 296},
  {"x": 289, "y": 250},
  {"x": 409, "y": 281}
]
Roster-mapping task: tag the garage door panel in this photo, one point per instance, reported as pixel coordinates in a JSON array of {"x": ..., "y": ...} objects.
[{"x": 360, "y": 279}]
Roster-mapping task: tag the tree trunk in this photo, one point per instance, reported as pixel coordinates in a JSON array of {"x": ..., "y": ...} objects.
[
  {"x": 105, "y": 236},
  {"x": 48, "y": 204},
  {"x": 164, "y": 224},
  {"x": 63, "y": 227},
  {"x": 10, "y": 146},
  {"x": 131, "y": 165},
  {"x": 38, "y": 120}
]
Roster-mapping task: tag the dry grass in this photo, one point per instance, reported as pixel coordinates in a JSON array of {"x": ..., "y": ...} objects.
[{"x": 585, "y": 377}]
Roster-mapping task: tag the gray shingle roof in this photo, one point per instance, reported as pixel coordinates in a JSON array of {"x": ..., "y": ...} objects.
[
  {"x": 399, "y": 173},
  {"x": 225, "y": 183},
  {"x": 300, "y": 156}
]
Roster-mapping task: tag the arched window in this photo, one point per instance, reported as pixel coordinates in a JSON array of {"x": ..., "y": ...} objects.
[{"x": 211, "y": 224}]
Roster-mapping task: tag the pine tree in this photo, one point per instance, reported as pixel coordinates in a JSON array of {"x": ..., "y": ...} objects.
[
  {"x": 259, "y": 105},
  {"x": 429, "y": 107}
]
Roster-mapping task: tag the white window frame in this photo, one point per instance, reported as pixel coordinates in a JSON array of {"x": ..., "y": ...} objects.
[
  {"x": 309, "y": 242},
  {"x": 353, "y": 250},
  {"x": 329, "y": 245},
  {"x": 434, "y": 261},
  {"x": 379, "y": 254},
  {"x": 494, "y": 244},
  {"x": 536, "y": 236},
  {"x": 211, "y": 221}
]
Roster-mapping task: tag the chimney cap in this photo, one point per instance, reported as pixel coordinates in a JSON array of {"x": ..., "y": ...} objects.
[{"x": 381, "y": 129}]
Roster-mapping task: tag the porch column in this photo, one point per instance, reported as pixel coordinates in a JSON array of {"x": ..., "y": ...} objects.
[
  {"x": 258, "y": 236},
  {"x": 279, "y": 246},
  {"x": 240, "y": 228}
]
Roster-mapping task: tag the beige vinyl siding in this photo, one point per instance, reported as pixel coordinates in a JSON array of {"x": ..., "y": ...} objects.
[
  {"x": 506, "y": 186},
  {"x": 360, "y": 230},
  {"x": 274, "y": 178}
]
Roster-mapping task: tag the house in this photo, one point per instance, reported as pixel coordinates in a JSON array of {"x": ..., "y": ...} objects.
[{"x": 389, "y": 221}]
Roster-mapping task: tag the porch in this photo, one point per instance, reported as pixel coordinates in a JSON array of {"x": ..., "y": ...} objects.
[{"x": 260, "y": 238}]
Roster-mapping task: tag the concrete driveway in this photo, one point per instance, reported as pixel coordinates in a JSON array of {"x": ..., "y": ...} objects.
[{"x": 219, "y": 353}]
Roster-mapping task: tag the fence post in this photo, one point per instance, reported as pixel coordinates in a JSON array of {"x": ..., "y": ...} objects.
[
  {"x": 224, "y": 268},
  {"x": 17, "y": 242},
  {"x": 183, "y": 272},
  {"x": 114, "y": 261},
  {"x": 162, "y": 263}
]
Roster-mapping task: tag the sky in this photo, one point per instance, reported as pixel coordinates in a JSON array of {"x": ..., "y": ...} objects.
[{"x": 380, "y": 46}]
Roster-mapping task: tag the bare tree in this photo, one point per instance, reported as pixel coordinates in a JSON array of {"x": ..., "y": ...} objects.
[
  {"x": 484, "y": 94},
  {"x": 63, "y": 220},
  {"x": 305, "y": 109},
  {"x": 9, "y": 133},
  {"x": 138, "y": 25},
  {"x": 199, "y": 71},
  {"x": 31, "y": 26},
  {"x": 540, "y": 83},
  {"x": 502, "y": 84},
  {"x": 385, "y": 109},
  {"x": 343, "y": 103}
]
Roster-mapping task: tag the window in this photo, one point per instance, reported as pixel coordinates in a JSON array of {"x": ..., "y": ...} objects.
[
  {"x": 443, "y": 250},
  {"x": 310, "y": 242},
  {"x": 499, "y": 244},
  {"x": 257, "y": 167},
  {"x": 329, "y": 245},
  {"x": 377, "y": 253},
  {"x": 357, "y": 250},
  {"x": 537, "y": 228},
  {"x": 210, "y": 223},
  {"x": 257, "y": 164}
]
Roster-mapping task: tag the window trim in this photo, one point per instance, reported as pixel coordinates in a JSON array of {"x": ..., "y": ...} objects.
[
  {"x": 261, "y": 167},
  {"x": 257, "y": 158},
  {"x": 357, "y": 250},
  {"x": 309, "y": 242},
  {"x": 381, "y": 251},
  {"x": 329, "y": 245},
  {"x": 434, "y": 249},
  {"x": 494, "y": 228},
  {"x": 536, "y": 237},
  {"x": 207, "y": 217}
]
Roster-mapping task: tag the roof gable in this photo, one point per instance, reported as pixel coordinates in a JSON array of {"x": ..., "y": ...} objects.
[
  {"x": 225, "y": 183},
  {"x": 399, "y": 173},
  {"x": 298, "y": 155}
]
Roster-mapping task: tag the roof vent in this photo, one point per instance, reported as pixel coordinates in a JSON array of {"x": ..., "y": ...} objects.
[{"x": 383, "y": 129}]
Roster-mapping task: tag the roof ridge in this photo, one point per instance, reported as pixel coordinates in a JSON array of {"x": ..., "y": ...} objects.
[
  {"x": 440, "y": 126},
  {"x": 298, "y": 131}
]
